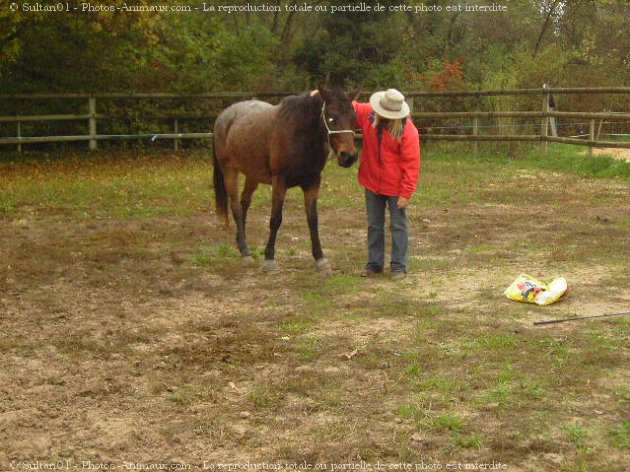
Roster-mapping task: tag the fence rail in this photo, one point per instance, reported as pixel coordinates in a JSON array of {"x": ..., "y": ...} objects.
[
  {"x": 544, "y": 118},
  {"x": 236, "y": 94}
]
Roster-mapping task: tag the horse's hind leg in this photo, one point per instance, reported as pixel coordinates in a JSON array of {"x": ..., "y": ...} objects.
[
  {"x": 231, "y": 186},
  {"x": 278, "y": 193},
  {"x": 246, "y": 200}
]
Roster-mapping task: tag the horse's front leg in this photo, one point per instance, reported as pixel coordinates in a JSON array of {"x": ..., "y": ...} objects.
[
  {"x": 310, "y": 204},
  {"x": 278, "y": 192}
]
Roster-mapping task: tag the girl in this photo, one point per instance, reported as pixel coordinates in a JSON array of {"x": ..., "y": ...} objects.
[{"x": 389, "y": 172}]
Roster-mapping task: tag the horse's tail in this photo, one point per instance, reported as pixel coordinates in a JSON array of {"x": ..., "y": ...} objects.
[{"x": 220, "y": 194}]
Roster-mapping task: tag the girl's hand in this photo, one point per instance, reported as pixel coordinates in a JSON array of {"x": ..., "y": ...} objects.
[{"x": 402, "y": 202}]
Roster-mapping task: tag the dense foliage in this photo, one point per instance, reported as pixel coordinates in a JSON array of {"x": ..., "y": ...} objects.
[{"x": 563, "y": 42}]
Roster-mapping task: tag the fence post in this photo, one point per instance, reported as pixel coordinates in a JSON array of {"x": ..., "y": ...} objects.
[
  {"x": 544, "y": 123},
  {"x": 591, "y": 137},
  {"x": 92, "y": 119},
  {"x": 475, "y": 133},
  {"x": 409, "y": 101},
  {"x": 19, "y": 135},
  {"x": 176, "y": 130},
  {"x": 599, "y": 129}
]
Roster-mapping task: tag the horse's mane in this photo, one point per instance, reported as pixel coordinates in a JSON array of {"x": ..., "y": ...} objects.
[
  {"x": 301, "y": 108},
  {"x": 305, "y": 107}
]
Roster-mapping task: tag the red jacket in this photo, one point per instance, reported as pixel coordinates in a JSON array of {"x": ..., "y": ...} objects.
[{"x": 394, "y": 169}]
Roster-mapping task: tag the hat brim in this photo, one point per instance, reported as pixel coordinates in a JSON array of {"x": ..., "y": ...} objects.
[{"x": 375, "y": 101}]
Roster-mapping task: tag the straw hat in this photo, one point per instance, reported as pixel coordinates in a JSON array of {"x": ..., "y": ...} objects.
[{"x": 390, "y": 104}]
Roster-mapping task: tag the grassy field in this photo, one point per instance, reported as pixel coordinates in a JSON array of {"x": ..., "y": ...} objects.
[{"x": 131, "y": 334}]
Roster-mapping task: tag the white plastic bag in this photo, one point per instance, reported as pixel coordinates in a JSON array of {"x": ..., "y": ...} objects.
[{"x": 528, "y": 289}]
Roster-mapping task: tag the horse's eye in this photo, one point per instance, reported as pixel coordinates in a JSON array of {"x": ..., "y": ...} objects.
[{"x": 331, "y": 120}]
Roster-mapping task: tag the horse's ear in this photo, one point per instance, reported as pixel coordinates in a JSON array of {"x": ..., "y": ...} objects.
[
  {"x": 324, "y": 92},
  {"x": 354, "y": 94}
]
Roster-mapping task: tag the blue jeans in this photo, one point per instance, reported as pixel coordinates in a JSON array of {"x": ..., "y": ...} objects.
[{"x": 376, "y": 232}]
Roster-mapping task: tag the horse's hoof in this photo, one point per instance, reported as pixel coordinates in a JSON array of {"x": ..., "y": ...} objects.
[
  {"x": 247, "y": 260},
  {"x": 270, "y": 265},
  {"x": 323, "y": 266}
]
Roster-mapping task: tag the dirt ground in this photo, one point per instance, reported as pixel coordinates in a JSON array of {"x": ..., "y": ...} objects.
[{"x": 144, "y": 343}]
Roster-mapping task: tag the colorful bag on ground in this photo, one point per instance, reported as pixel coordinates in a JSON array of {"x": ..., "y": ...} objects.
[{"x": 530, "y": 290}]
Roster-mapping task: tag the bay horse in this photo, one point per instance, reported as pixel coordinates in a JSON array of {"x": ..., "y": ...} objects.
[{"x": 285, "y": 145}]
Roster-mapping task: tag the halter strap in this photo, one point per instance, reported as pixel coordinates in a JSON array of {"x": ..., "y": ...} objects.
[{"x": 333, "y": 131}]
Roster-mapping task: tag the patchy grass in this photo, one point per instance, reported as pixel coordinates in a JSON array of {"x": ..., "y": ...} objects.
[
  {"x": 131, "y": 329},
  {"x": 134, "y": 186},
  {"x": 619, "y": 435}
]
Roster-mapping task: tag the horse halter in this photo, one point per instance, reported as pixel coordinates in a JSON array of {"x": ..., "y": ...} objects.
[{"x": 333, "y": 131}]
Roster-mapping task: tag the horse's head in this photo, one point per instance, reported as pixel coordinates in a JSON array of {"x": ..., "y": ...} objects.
[{"x": 339, "y": 121}]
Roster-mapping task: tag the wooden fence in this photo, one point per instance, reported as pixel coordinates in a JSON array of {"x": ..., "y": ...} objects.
[{"x": 542, "y": 118}]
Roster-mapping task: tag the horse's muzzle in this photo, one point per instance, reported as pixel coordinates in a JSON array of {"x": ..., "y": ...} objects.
[{"x": 346, "y": 159}]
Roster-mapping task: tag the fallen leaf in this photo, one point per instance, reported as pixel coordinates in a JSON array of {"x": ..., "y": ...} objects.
[
  {"x": 419, "y": 439},
  {"x": 349, "y": 355}
]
